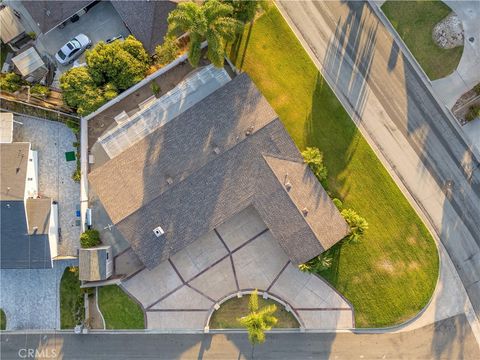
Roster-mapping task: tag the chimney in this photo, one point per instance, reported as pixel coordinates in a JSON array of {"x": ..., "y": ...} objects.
[
  {"x": 287, "y": 183},
  {"x": 158, "y": 231},
  {"x": 169, "y": 180},
  {"x": 305, "y": 211}
]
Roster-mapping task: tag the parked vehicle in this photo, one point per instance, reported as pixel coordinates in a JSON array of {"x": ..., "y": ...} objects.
[
  {"x": 112, "y": 39},
  {"x": 73, "y": 49}
]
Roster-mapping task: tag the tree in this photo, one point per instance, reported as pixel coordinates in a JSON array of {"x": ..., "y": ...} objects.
[
  {"x": 90, "y": 238},
  {"x": 211, "y": 21},
  {"x": 121, "y": 63},
  {"x": 167, "y": 52},
  {"x": 244, "y": 10},
  {"x": 10, "y": 82},
  {"x": 313, "y": 157},
  {"x": 258, "y": 320},
  {"x": 81, "y": 92},
  {"x": 358, "y": 225}
]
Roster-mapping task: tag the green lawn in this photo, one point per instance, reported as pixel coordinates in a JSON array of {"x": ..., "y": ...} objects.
[
  {"x": 414, "y": 21},
  {"x": 71, "y": 299},
  {"x": 391, "y": 274},
  {"x": 226, "y": 317},
  {"x": 118, "y": 309},
  {"x": 3, "y": 320}
]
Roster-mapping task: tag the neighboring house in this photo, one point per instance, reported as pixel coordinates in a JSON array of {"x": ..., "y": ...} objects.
[
  {"x": 224, "y": 154},
  {"x": 12, "y": 31},
  {"x": 95, "y": 264},
  {"x": 146, "y": 20},
  {"x": 28, "y": 235}
]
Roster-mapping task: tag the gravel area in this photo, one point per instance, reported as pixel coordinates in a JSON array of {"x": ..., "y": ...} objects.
[
  {"x": 51, "y": 140},
  {"x": 448, "y": 33},
  {"x": 30, "y": 298}
]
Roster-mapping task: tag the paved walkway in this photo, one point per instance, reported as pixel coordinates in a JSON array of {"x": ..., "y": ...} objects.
[
  {"x": 52, "y": 139},
  {"x": 239, "y": 255},
  {"x": 30, "y": 298}
]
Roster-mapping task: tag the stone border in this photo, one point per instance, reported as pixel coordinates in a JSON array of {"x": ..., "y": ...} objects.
[{"x": 265, "y": 295}]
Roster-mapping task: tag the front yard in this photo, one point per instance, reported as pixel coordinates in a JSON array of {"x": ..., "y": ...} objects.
[
  {"x": 118, "y": 309},
  {"x": 390, "y": 276},
  {"x": 414, "y": 21},
  {"x": 71, "y": 299}
]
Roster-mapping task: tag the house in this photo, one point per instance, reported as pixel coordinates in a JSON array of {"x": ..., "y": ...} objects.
[
  {"x": 146, "y": 20},
  {"x": 225, "y": 153},
  {"x": 13, "y": 33},
  {"x": 95, "y": 264},
  {"x": 28, "y": 234}
]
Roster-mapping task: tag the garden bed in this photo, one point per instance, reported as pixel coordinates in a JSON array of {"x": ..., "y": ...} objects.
[
  {"x": 72, "y": 310},
  {"x": 462, "y": 106},
  {"x": 226, "y": 317}
]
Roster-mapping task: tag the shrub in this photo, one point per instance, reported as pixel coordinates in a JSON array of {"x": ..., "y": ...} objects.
[
  {"x": 32, "y": 35},
  {"x": 40, "y": 90},
  {"x": 155, "y": 88},
  {"x": 166, "y": 52},
  {"x": 121, "y": 63},
  {"x": 338, "y": 203},
  {"x": 476, "y": 88},
  {"x": 319, "y": 263},
  {"x": 90, "y": 238},
  {"x": 10, "y": 82},
  {"x": 77, "y": 175},
  {"x": 358, "y": 225},
  {"x": 473, "y": 113},
  {"x": 314, "y": 159}
]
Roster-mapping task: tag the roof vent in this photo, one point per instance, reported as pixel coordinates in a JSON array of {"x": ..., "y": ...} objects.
[
  {"x": 287, "y": 183},
  {"x": 35, "y": 229},
  {"x": 158, "y": 231},
  {"x": 169, "y": 180},
  {"x": 249, "y": 130},
  {"x": 216, "y": 150},
  {"x": 305, "y": 211}
]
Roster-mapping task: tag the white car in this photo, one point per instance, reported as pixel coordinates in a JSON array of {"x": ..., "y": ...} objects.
[{"x": 73, "y": 49}]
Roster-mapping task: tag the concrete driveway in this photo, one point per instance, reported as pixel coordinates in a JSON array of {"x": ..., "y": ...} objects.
[
  {"x": 100, "y": 23},
  {"x": 238, "y": 256},
  {"x": 30, "y": 297}
]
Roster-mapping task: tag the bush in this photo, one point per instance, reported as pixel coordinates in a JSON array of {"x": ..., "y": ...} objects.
[
  {"x": 121, "y": 63},
  {"x": 358, "y": 225},
  {"x": 473, "y": 113},
  {"x": 476, "y": 88},
  {"x": 338, "y": 203},
  {"x": 319, "y": 263},
  {"x": 167, "y": 52},
  {"x": 314, "y": 158},
  {"x": 40, "y": 90},
  {"x": 32, "y": 35},
  {"x": 155, "y": 88},
  {"x": 10, "y": 82},
  {"x": 90, "y": 238}
]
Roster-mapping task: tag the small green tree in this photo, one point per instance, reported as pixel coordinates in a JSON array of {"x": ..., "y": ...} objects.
[
  {"x": 10, "y": 82},
  {"x": 167, "y": 52},
  {"x": 90, "y": 238},
  {"x": 211, "y": 21},
  {"x": 313, "y": 157},
  {"x": 121, "y": 63},
  {"x": 258, "y": 320},
  {"x": 358, "y": 225}
]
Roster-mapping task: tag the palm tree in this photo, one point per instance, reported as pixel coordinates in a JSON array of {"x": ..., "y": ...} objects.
[
  {"x": 211, "y": 21},
  {"x": 258, "y": 320}
]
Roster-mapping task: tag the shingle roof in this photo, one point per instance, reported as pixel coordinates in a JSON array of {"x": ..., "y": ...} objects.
[
  {"x": 38, "y": 215},
  {"x": 92, "y": 263},
  {"x": 13, "y": 170},
  {"x": 147, "y": 20},
  {"x": 48, "y": 14},
  {"x": 201, "y": 168}
]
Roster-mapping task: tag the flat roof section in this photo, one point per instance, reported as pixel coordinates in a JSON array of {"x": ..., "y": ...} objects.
[
  {"x": 6, "y": 128},
  {"x": 154, "y": 113}
]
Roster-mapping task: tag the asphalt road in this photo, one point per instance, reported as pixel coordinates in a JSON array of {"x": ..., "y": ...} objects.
[
  {"x": 448, "y": 339},
  {"x": 393, "y": 107}
]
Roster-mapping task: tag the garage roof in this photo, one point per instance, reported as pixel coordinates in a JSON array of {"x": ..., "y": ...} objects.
[{"x": 6, "y": 128}]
